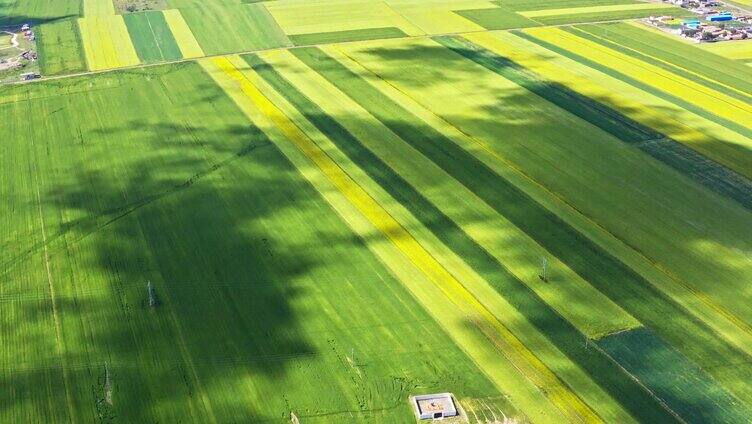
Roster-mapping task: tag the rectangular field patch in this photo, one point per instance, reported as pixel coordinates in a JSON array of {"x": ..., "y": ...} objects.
[
  {"x": 497, "y": 18},
  {"x": 98, "y": 8},
  {"x": 223, "y": 28},
  {"x": 189, "y": 47},
  {"x": 315, "y": 17},
  {"x": 344, "y": 36},
  {"x": 593, "y": 9},
  {"x": 107, "y": 44},
  {"x": 738, "y": 50},
  {"x": 60, "y": 50},
  {"x": 441, "y": 21},
  {"x": 151, "y": 37}
]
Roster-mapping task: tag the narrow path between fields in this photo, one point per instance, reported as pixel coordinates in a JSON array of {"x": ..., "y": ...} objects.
[{"x": 193, "y": 59}]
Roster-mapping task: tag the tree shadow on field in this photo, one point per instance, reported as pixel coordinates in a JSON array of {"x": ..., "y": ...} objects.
[
  {"x": 15, "y": 20},
  {"x": 507, "y": 119},
  {"x": 200, "y": 213}
]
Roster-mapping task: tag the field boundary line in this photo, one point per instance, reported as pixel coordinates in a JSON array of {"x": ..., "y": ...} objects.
[
  {"x": 555, "y": 390},
  {"x": 154, "y": 35},
  {"x": 219, "y": 55},
  {"x": 732, "y": 319}
]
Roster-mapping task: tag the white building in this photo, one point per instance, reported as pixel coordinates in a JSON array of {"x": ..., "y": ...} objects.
[{"x": 434, "y": 407}]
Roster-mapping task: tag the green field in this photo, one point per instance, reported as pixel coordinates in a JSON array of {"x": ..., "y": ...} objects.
[
  {"x": 319, "y": 209},
  {"x": 151, "y": 37},
  {"x": 14, "y": 12},
  {"x": 60, "y": 48},
  {"x": 222, "y": 28},
  {"x": 266, "y": 286},
  {"x": 344, "y": 36}
]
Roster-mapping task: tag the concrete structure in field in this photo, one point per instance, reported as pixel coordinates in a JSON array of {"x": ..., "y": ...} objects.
[{"x": 434, "y": 407}]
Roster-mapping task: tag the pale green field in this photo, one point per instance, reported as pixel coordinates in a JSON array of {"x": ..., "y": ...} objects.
[{"x": 741, "y": 50}]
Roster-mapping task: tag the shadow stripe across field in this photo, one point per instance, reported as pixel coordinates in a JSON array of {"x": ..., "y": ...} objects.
[
  {"x": 604, "y": 271},
  {"x": 673, "y": 377},
  {"x": 689, "y": 162},
  {"x": 641, "y": 44},
  {"x": 733, "y": 126},
  {"x": 563, "y": 334}
]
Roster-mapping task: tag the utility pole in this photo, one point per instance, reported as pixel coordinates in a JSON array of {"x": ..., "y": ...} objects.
[
  {"x": 152, "y": 294},
  {"x": 544, "y": 269}
]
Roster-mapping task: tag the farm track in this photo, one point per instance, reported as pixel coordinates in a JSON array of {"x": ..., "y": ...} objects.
[{"x": 212, "y": 56}]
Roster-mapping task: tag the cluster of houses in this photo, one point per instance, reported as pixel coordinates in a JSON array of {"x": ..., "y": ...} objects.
[
  {"x": 710, "y": 33},
  {"x": 700, "y": 7},
  {"x": 28, "y": 54},
  {"x": 28, "y": 33},
  {"x": 711, "y": 24}
]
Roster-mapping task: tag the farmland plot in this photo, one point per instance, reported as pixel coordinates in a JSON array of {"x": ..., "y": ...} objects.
[
  {"x": 106, "y": 42},
  {"x": 688, "y": 94},
  {"x": 462, "y": 307},
  {"x": 297, "y": 19},
  {"x": 248, "y": 322},
  {"x": 439, "y": 101},
  {"x": 187, "y": 43},
  {"x": 324, "y": 207},
  {"x": 151, "y": 37},
  {"x": 525, "y": 303},
  {"x": 60, "y": 48},
  {"x": 741, "y": 50},
  {"x": 222, "y": 28}
]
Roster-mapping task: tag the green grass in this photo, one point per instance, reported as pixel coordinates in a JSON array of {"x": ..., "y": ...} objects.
[
  {"x": 151, "y": 37},
  {"x": 222, "y": 28},
  {"x": 343, "y": 36},
  {"x": 155, "y": 175},
  {"x": 271, "y": 302},
  {"x": 553, "y": 326},
  {"x": 676, "y": 380},
  {"x": 60, "y": 50}
]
